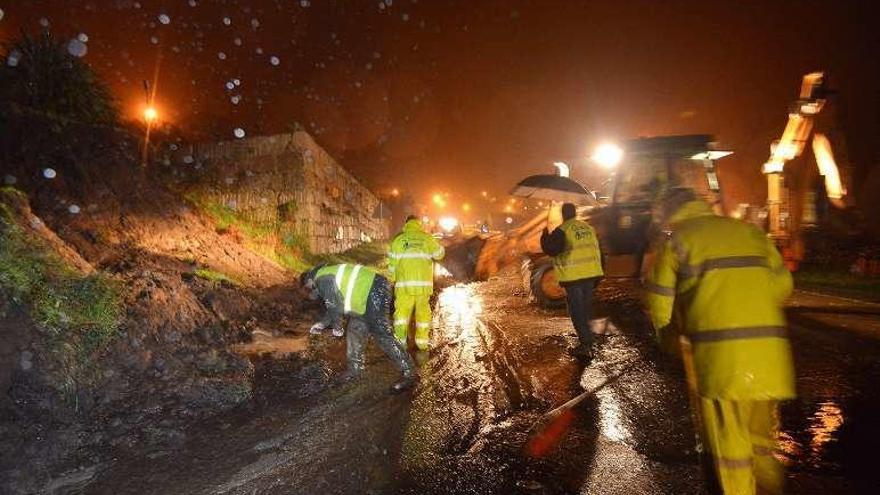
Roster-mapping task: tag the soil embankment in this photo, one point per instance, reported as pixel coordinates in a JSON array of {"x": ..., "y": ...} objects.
[{"x": 126, "y": 314}]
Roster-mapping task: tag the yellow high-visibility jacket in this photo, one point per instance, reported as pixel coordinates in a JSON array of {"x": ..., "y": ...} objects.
[
  {"x": 727, "y": 283},
  {"x": 581, "y": 258},
  {"x": 345, "y": 290},
  {"x": 411, "y": 259}
]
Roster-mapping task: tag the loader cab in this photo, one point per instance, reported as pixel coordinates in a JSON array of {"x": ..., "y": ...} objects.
[{"x": 649, "y": 167}]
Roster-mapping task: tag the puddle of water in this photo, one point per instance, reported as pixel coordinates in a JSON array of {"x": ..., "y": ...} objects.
[
  {"x": 823, "y": 426},
  {"x": 812, "y": 442},
  {"x": 278, "y": 347},
  {"x": 459, "y": 313}
]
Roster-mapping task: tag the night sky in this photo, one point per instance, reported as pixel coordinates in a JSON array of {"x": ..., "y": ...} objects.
[{"x": 462, "y": 96}]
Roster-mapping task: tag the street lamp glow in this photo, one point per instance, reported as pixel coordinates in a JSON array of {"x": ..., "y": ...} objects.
[
  {"x": 466, "y": 207},
  {"x": 448, "y": 223},
  {"x": 607, "y": 155},
  {"x": 150, "y": 114}
]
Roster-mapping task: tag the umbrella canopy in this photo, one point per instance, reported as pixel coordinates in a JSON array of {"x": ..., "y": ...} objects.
[{"x": 554, "y": 188}]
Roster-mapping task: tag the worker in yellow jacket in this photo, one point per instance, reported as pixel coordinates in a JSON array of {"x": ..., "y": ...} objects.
[
  {"x": 577, "y": 260},
  {"x": 411, "y": 258},
  {"x": 364, "y": 296},
  {"x": 726, "y": 283}
]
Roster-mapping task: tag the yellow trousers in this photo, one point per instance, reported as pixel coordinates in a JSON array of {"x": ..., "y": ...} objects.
[
  {"x": 404, "y": 306},
  {"x": 740, "y": 436}
]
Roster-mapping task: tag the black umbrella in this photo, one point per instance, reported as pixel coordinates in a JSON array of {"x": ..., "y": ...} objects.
[{"x": 554, "y": 188}]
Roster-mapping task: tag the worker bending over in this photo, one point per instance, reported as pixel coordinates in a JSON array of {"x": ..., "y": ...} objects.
[
  {"x": 365, "y": 297},
  {"x": 725, "y": 282},
  {"x": 578, "y": 263},
  {"x": 411, "y": 258}
]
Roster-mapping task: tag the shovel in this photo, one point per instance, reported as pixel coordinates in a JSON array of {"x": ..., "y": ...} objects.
[{"x": 549, "y": 429}]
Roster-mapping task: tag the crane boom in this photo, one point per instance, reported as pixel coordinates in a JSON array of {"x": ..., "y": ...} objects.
[{"x": 782, "y": 226}]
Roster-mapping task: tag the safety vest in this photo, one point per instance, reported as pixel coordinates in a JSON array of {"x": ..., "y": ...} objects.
[
  {"x": 581, "y": 258},
  {"x": 411, "y": 259},
  {"x": 353, "y": 283},
  {"x": 727, "y": 283}
]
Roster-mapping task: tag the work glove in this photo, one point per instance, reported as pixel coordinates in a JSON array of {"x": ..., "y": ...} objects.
[{"x": 318, "y": 328}]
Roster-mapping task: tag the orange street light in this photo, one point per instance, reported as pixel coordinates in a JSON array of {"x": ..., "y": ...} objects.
[{"x": 150, "y": 114}]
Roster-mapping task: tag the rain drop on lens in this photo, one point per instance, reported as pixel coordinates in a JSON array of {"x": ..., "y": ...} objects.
[
  {"x": 13, "y": 58},
  {"x": 164, "y": 19},
  {"x": 73, "y": 209},
  {"x": 49, "y": 173},
  {"x": 77, "y": 48},
  {"x": 274, "y": 60},
  {"x": 238, "y": 132}
]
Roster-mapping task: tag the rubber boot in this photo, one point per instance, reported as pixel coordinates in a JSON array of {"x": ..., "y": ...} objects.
[
  {"x": 582, "y": 353},
  {"x": 408, "y": 380}
]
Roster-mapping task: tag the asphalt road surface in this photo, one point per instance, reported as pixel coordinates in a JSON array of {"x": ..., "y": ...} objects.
[{"x": 498, "y": 363}]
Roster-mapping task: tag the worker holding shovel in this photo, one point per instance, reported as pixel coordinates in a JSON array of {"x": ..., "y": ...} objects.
[{"x": 727, "y": 283}]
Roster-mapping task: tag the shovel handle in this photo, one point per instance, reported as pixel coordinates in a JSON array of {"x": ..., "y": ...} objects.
[{"x": 587, "y": 393}]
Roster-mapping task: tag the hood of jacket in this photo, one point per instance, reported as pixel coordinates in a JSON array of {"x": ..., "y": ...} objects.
[
  {"x": 414, "y": 225},
  {"x": 691, "y": 209}
]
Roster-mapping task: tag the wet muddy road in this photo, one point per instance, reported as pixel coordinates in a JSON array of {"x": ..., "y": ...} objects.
[{"x": 498, "y": 363}]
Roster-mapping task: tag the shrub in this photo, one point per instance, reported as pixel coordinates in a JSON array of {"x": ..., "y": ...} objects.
[{"x": 45, "y": 78}]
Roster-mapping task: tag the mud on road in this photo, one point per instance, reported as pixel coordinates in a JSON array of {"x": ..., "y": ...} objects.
[{"x": 496, "y": 365}]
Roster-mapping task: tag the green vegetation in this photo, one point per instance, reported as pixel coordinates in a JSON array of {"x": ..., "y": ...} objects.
[
  {"x": 228, "y": 219},
  {"x": 278, "y": 241},
  {"x": 41, "y": 74},
  {"x": 79, "y": 313},
  {"x": 214, "y": 276},
  {"x": 838, "y": 282}
]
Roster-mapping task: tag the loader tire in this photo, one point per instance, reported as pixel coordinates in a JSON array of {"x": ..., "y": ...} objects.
[{"x": 545, "y": 288}]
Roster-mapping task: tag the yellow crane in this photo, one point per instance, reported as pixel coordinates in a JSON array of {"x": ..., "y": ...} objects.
[{"x": 784, "y": 203}]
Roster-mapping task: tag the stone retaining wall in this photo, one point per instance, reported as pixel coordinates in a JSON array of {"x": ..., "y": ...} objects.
[{"x": 288, "y": 181}]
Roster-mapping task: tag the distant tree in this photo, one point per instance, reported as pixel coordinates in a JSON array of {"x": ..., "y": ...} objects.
[{"x": 41, "y": 74}]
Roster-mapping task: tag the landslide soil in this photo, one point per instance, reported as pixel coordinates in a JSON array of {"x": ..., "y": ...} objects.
[{"x": 181, "y": 351}]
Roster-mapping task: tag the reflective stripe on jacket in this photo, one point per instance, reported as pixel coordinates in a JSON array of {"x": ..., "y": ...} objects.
[
  {"x": 726, "y": 283},
  {"x": 581, "y": 258},
  {"x": 411, "y": 259},
  {"x": 353, "y": 283}
]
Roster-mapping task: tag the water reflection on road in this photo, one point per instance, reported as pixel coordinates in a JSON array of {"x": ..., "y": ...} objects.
[{"x": 459, "y": 311}]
